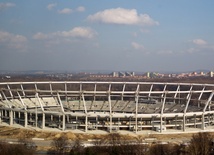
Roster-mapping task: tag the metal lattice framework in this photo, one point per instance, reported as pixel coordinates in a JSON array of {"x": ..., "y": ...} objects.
[{"x": 107, "y": 105}]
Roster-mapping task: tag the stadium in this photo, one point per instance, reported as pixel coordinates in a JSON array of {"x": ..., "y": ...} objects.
[{"x": 108, "y": 106}]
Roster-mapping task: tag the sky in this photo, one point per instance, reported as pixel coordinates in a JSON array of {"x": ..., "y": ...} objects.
[{"x": 107, "y": 35}]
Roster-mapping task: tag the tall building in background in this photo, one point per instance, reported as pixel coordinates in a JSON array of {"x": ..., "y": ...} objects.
[{"x": 211, "y": 73}]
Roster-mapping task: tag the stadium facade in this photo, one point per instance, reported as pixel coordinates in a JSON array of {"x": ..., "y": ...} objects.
[{"x": 108, "y": 106}]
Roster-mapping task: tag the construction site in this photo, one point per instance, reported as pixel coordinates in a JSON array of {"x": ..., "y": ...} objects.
[{"x": 108, "y": 106}]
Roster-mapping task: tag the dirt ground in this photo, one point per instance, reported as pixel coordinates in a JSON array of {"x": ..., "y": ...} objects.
[
  {"x": 7, "y": 132},
  {"x": 16, "y": 133}
]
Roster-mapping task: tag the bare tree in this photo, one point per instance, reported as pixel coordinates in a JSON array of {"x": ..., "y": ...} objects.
[
  {"x": 141, "y": 147},
  {"x": 15, "y": 149},
  {"x": 114, "y": 141},
  {"x": 166, "y": 149},
  {"x": 4, "y": 148},
  {"x": 78, "y": 147},
  {"x": 61, "y": 145},
  {"x": 29, "y": 144},
  {"x": 122, "y": 145},
  {"x": 201, "y": 144}
]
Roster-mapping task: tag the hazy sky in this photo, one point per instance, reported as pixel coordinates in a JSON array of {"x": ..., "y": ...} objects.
[{"x": 128, "y": 35}]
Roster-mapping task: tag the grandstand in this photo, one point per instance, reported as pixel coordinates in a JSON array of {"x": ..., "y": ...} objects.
[{"x": 107, "y": 106}]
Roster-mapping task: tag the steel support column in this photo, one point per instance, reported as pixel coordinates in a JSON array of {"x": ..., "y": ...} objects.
[
  {"x": 11, "y": 117},
  {"x": 0, "y": 116},
  {"x": 205, "y": 107},
  {"x": 162, "y": 111},
  {"x": 184, "y": 122},
  {"x": 185, "y": 110},
  {"x": 63, "y": 122},
  {"x": 43, "y": 120},
  {"x": 86, "y": 123},
  {"x": 26, "y": 119},
  {"x": 86, "y": 113},
  {"x": 136, "y": 106},
  {"x": 110, "y": 113}
]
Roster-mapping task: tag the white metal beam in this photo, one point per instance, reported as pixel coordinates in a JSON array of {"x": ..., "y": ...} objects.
[
  {"x": 39, "y": 100},
  {"x": 23, "y": 92},
  {"x": 22, "y": 101},
  {"x": 136, "y": 107},
  {"x": 60, "y": 102}
]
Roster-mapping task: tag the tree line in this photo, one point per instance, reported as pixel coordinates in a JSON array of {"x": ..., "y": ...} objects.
[
  {"x": 22, "y": 147},
  {"x": 116, "y": 144}
]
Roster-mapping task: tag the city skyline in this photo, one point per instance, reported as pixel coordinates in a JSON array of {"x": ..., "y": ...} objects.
[{"x": 112, "y": 35}]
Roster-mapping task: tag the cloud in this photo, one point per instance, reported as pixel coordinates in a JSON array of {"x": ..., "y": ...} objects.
[
  {"x": 80, "y": 9},
  {"x": 201, "y": 50},
  {"x": 202, "y": 46},
  {"x": 199, "y": 42},
  {"x": 69, "y": 11},
  {"x": 192, "y": 50},
  {"x": 144, "y": 31},
  {"x": 12, "y": 40},
  {"x": 51, "y": 6},
  {"x": 76, "y": 32},
  {"x": 40, "y": 36},
  {"x": 122, "y": 16},
  {"x": 6, "y": 5},
  {"x": 79, "y": 32},
  {"x": 137, "y": 46},
  {"x": 65, "y": 11},
  {"x": 167, "y": 52}
]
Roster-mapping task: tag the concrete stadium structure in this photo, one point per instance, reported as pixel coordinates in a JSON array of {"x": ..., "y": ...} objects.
[{"x": 108, "y": 106}]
